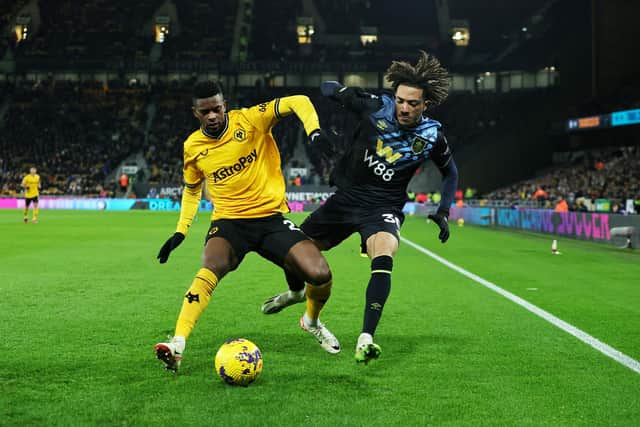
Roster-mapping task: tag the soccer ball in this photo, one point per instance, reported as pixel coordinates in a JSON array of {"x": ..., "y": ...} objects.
[
  {"x": 238, "y": 362},
  {"x": 460, "y": 222}
]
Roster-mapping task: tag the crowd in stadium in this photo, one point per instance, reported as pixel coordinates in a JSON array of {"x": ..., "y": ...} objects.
[
  {"x": 610, "y": 174},
  {"x": 74, "y": 134},
  {"x": 77, "y": 133}
]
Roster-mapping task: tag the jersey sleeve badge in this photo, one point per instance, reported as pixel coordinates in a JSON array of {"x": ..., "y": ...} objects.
[{"x": 418, "y": 145}]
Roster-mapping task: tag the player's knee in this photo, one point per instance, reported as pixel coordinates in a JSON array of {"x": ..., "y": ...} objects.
[
  {"x": 219, "y": 266},
  {"x": 319, "y": 273}
]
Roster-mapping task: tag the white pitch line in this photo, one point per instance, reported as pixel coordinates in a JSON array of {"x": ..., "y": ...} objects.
[{"x": 603, "y": 348}]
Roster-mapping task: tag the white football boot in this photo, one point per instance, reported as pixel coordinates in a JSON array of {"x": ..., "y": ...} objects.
[
  {"x": 278, "y": 302},
  {"x": 171, "y": 352},
  {"x": 327, "y": 340}
]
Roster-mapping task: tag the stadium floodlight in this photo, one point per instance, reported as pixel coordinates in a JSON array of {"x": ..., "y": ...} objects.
[
  {"x": 460, "y": 36},
  {"x": 368, "y": 35},
  {"x": 21, "y": 28},
  {"x": 162, "y": 26},
  {"x": 305, "y": 29}
]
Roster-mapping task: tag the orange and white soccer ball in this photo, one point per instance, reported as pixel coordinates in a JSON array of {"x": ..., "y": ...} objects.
[{"x": 238, "y": 362}]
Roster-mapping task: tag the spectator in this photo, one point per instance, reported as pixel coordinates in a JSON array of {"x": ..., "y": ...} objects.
[
  {"x": 561, "y": 206},
  {"x": 540, "y": 194},
  {"x": 124, "y": 182}
]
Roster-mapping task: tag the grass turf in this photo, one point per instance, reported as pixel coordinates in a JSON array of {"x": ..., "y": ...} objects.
[{"x": 84, "y": 301}]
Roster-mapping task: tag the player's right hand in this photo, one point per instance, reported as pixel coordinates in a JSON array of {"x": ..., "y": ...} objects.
[
  {"x": 330, "y": 87},
  {"x": 172, "y": 243}
]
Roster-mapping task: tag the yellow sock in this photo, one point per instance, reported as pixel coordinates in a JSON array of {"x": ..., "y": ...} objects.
[
  {"x": 35, "y": 213},
  {"x": 195, "y": 302},
  {"x": 26, "y": 212},
  {"x": 317, "y": 296}
]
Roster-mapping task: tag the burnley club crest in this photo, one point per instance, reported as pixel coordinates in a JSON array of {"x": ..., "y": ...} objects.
[{"x": 418, "y": 145}]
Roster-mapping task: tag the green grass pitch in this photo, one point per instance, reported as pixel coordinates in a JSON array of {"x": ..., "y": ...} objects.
[{"x": 83, "y": 301}]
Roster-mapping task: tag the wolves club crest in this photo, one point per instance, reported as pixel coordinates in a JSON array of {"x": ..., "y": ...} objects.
[
  {"x": 240, "y": 134},
  {"x": 192, "y": 297}
]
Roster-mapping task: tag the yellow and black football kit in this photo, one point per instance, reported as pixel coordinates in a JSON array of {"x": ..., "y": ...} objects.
[
  {"x": 31, "y": 184},
  {"x": 242, "y": 165},
  {"x": 241, "y": 168}
]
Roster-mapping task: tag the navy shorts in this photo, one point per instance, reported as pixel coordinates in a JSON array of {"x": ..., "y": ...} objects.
[
  {"x": 271, "y": 237},
  {"x": 334, "y": 221},
  {"x": 28, "y": 200}
]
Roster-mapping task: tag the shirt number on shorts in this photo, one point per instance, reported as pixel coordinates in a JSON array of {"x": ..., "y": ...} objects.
[
  {"x": 292, "y": 226},
  {"x": 391, "y": 218}
]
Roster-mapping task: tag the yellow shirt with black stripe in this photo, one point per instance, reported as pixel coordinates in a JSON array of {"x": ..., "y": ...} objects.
[
  {"x": 31, "y": 184},
  {"x": 241, "y": 166}
]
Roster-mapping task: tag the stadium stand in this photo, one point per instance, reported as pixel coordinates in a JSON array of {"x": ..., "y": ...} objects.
[
  {"x": 205, "y": 32},
  {"x": 272, "y": 34},
  {"x": 608, "y": 173},
  {"x": 73, "y": 105},
  {"x": 75, "y": 134}
]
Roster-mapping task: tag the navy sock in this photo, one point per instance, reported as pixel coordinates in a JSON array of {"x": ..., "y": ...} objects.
[{"x": 377, "y": 292}]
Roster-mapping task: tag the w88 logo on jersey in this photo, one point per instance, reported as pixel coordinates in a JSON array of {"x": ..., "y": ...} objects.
[{"x": 378, "y": 167}]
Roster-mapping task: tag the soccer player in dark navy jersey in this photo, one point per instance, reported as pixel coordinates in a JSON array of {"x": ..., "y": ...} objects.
[{"x": 392, "y": 140}]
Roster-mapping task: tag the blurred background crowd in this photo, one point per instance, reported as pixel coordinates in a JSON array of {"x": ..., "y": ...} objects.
[{"x": 87, "y": 87}]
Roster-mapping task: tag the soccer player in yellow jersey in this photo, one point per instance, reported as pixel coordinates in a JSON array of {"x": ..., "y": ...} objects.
[
  {"x": 31, "y": 186},
  {"x": 235, "y": 154}
]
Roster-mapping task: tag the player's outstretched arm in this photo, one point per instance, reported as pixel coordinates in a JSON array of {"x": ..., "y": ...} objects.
[
  {"x": 301, "y": 106},
  {"x": 331, "y": 88},
  {"x": 352, "y": 98}
]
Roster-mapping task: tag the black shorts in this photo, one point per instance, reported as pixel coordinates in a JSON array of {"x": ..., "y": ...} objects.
[
  {"x": 28, "y": 200},
  {"x": 271, "y": 237},
  {"x": 334, "y": 221}
]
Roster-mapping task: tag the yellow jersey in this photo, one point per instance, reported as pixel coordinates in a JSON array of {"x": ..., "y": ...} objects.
[
  {"x": 31, "y": 184},
  {"x": 241, "y": 166}
]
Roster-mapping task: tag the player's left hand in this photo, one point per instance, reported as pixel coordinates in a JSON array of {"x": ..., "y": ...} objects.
[
  {"x": 322, "y": 144},
  {"x": 318, "y": 136},
  {"x": 442, "y": 222}
]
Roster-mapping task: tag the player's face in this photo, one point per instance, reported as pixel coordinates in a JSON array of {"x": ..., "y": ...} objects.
[
  {"x": 210, "y": 112},
  {"x": 410, "y": 105},
  {"x": 32, "y": 171}
]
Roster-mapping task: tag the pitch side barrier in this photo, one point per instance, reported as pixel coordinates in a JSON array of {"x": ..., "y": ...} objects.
[
  {"x": 106, "y": 204},
  {"x": 618, "y": 230}
]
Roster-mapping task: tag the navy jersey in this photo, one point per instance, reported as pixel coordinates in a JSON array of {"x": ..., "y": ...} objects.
[{"x": 376, "y": 168}]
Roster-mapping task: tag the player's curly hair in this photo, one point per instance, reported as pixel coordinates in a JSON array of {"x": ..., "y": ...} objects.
[
  {"x": 427, "y": 74},
  {"x": 206, "y": 89}
]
